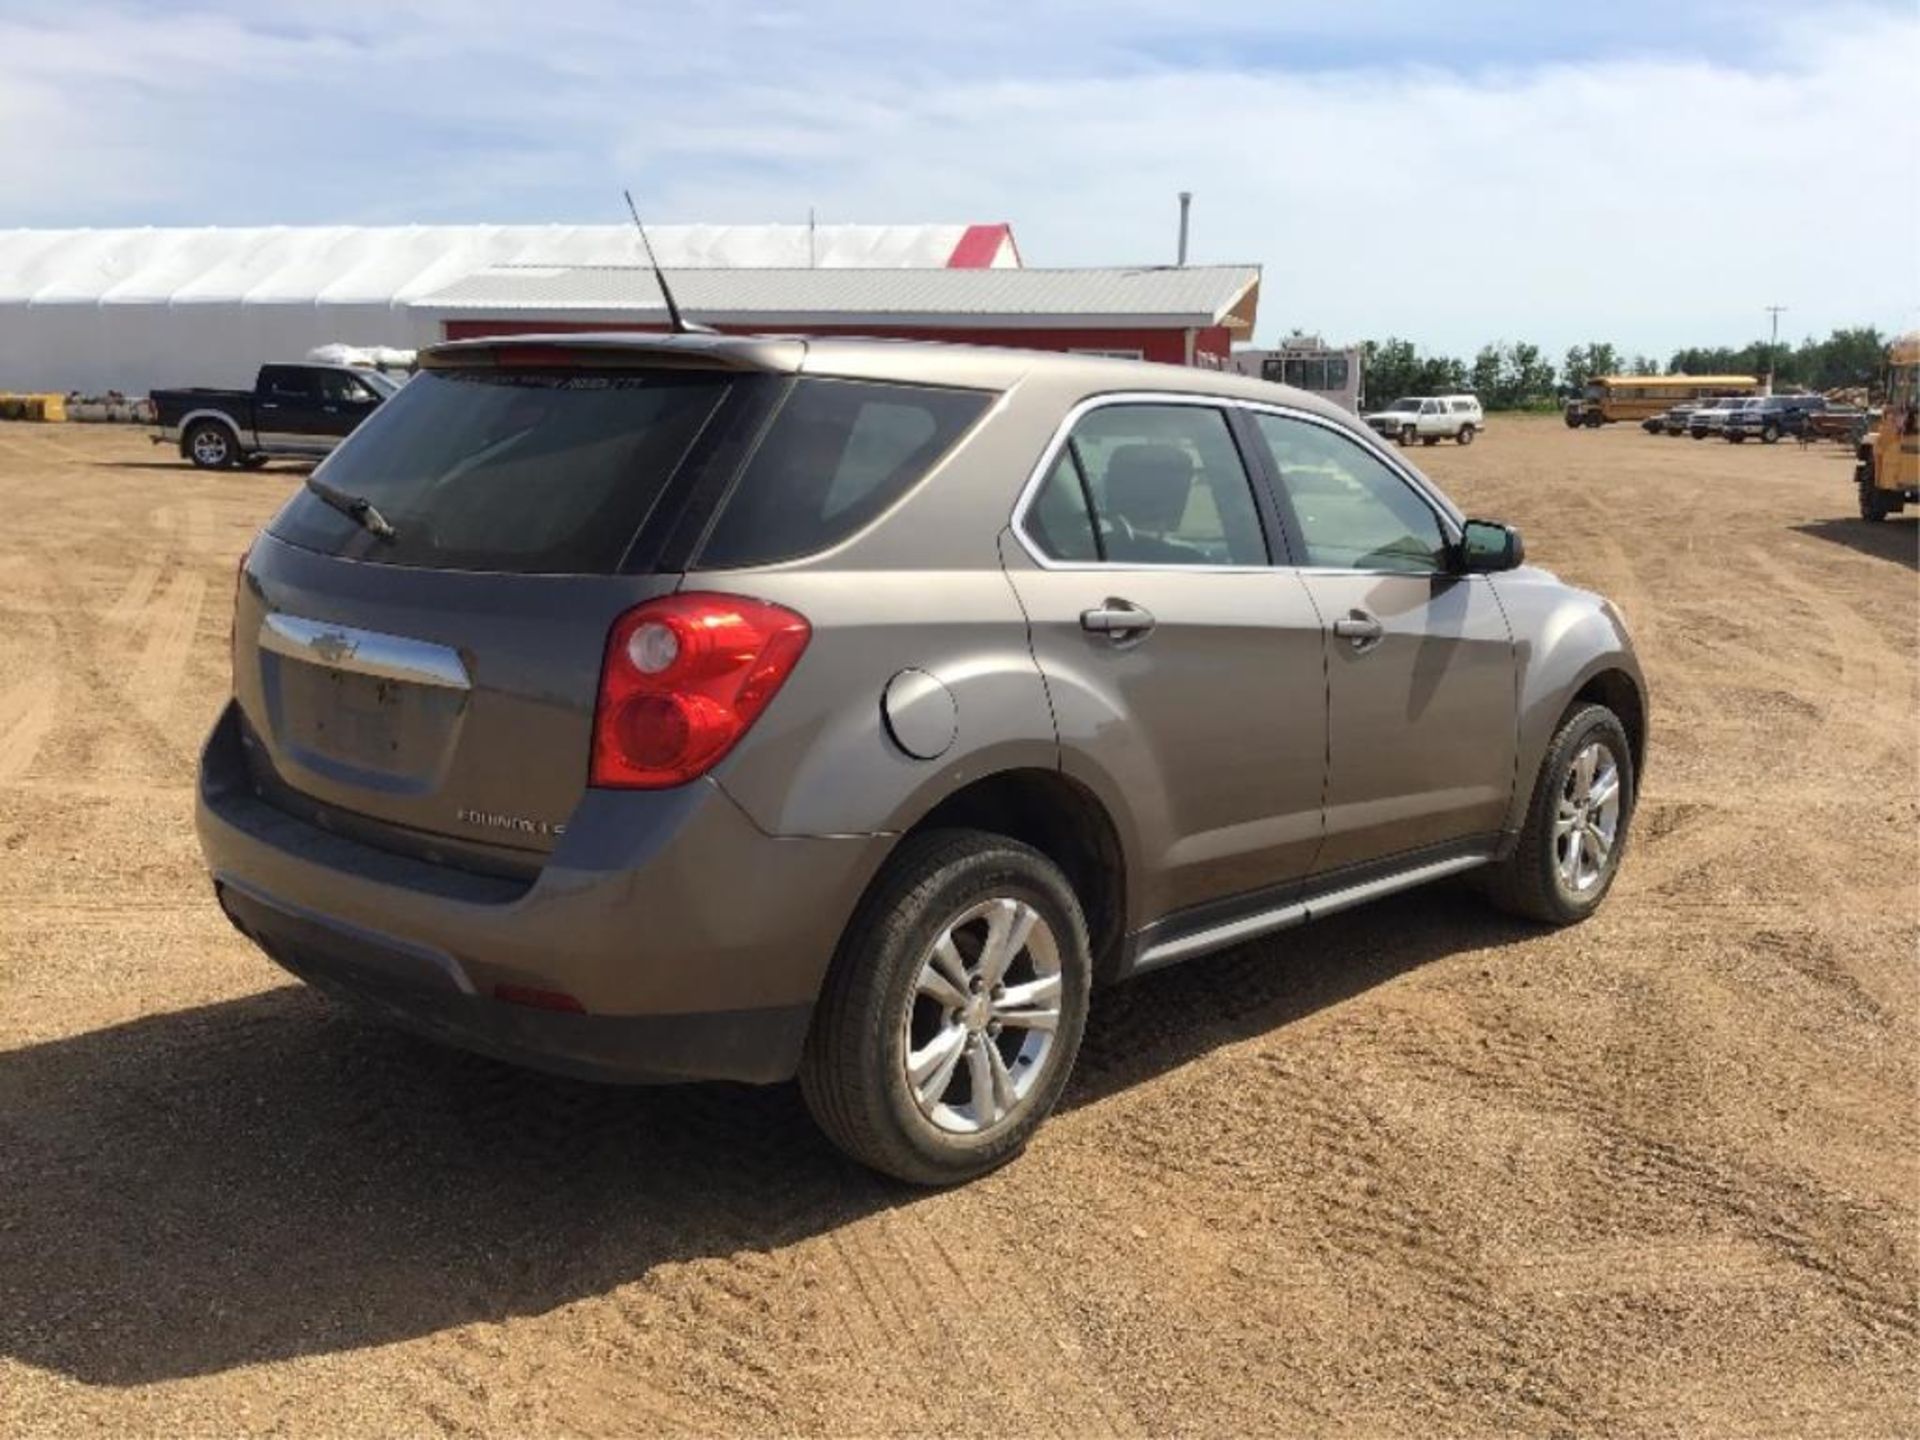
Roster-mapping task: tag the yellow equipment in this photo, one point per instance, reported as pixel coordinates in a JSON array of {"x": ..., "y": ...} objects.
[{"x": 1888, "y": 472}]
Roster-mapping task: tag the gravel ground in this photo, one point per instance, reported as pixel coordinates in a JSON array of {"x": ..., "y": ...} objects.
[{"x": 1415, "y": 1170}]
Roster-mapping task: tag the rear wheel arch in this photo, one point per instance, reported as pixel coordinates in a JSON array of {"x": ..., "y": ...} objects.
[{"x": 1064, "y": 821}]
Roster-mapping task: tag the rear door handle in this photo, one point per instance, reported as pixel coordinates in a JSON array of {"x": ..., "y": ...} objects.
[
  {"x": 1120, "y": 619},
  {"x": 1362, "y": 629}
]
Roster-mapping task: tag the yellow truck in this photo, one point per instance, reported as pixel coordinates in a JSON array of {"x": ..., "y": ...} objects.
[{"x": 1888, "y": 470}]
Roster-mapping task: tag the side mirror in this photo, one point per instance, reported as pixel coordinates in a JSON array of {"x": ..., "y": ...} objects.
[{"x": 1487, "y": 545}]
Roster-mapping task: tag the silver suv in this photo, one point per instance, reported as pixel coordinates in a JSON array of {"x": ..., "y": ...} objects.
[{"x": 674, "y": 708}]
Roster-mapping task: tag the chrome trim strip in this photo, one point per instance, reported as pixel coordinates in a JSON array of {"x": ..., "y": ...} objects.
[
  {"x": 1297, "y": 912},
  {"x": 364, "y": 652},
  {"x": 1337, "y": 900},
  {"x": 1364, "y": 437},
  {"x": 1220, "y": 937}
]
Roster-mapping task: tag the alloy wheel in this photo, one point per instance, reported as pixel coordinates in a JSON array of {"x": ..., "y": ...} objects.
[
  {"x": 1587, "y": 822},
  {"x": 981, "y": 1018}
]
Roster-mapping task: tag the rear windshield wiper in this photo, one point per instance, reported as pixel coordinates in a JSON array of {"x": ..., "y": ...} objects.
[{"x": 356, "y": 508}]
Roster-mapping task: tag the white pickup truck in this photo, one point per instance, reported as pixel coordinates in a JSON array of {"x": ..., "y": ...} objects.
[{"x": 1430, "y": 419}]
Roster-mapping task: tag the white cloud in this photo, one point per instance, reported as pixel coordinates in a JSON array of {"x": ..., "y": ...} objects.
[{"x": 1558, "y": 187}]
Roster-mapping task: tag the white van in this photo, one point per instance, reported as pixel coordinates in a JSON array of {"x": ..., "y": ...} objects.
[{"x": 1430, "y": 419}]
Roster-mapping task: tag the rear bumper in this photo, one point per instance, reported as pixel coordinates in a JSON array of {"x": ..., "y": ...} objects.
[{"x": 694, "y": 942}]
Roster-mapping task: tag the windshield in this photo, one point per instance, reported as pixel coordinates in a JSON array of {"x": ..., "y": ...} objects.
[
  {"x": 381, "y": 383},
  {"x": 1405, "y": 404}
]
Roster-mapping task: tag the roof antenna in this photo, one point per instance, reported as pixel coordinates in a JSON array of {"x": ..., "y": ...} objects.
[{"x": 674, "y": 321}]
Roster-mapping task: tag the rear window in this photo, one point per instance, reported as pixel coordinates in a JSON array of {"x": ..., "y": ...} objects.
[
  {"x": 837, "y": 455},
  {"x": 530, "y": 472}
]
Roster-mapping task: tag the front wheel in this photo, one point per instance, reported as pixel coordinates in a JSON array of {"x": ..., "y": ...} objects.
[
  {"x": 1595, "y": 420},
  {"x": 1406, "y": 434},
  {"x": 953, "y": 1011},
  {"x": 1769, "y": 434},
  {"x": 1573, "y": 419},
  {"x": 1576, "y": 827},
  {"x": 1465, "y": 437}
]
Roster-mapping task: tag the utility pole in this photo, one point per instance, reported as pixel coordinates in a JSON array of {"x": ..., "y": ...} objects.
[
  {"x": 1773, "y": 345},
  {"x": 1186, "y": 204}
]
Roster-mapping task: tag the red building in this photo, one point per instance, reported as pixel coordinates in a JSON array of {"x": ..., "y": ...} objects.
[{"x": 1189, "y": 315}]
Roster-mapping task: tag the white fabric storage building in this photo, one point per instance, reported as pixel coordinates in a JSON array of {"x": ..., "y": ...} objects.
[{"x": 133, "y": 310}]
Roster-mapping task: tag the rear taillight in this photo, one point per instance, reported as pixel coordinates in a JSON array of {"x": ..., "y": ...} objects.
[{"x": 683, "y": 679}]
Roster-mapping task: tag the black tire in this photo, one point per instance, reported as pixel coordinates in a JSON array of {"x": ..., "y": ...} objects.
[
  {"x": 1733, "y": 439},
  {"x": 1406, "y": 434},
  {"x": 1573, "y": 419},
  {"x": 1528, "y": 882},
  {"x": 1769, "y": 434},
  {"x": 1875, "y": 504},
  {"x": 1465, "y": 437},
  {"x": 1698, "y": 434},
  {"x": 853, "y": 1071},
  {"x": 210, "y": 445},
  {"x": 1595, "y": 420}
]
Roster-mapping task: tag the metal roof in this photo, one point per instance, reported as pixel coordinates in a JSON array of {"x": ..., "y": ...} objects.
[{"x": 1189, "y": 296}]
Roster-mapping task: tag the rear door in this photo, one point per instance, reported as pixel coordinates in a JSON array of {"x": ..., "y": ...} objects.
[
  {"x": 442, "y": 682},
  {"x": 1184, "y": 667},
  {"x": 1421, "y": 674}
]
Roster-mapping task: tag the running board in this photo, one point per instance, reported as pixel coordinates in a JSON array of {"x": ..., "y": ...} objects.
[{"x": 1298, "y": 912}]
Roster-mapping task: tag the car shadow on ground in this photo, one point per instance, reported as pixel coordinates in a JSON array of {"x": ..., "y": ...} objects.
[
  {"x": 277, "y": 467},
  {"x": 1896, "y": 538},
  {"x": 266, "y": 1177}
]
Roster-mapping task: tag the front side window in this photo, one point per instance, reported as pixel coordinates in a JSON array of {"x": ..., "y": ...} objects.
[
  {"x": 337, "y": 387},
  {"x": 1149, "y": 485},
  {"x": 1353, "y": 511}
]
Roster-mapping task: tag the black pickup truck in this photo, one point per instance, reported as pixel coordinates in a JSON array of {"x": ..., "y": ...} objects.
[{"x": 292, "y": 412}]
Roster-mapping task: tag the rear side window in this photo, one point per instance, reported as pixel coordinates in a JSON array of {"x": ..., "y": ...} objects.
[
  {"x": 286, "y": 382},
  {"x": 535, "y": 472},
  {"x": 837, "y": 455}
]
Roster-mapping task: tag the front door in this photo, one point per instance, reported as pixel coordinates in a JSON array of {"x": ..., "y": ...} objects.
[
  {"x": 1186, "y": 670},
  {"x": 345, "y": 400},
  {"x": 1421, "y": 673}
]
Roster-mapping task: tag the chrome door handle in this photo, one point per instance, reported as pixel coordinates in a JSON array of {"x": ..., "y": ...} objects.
[
  {"x": 1120, "y": 619},
  {"x": 1362, "y": 629}
]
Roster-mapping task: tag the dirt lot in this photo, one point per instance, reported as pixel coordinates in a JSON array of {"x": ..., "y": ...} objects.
[{"x": 1415, "y": 1170}]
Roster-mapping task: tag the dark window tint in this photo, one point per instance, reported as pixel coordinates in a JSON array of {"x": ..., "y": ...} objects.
[
  {"x": 537, "y": 472},
  {"x": 1057, "y": 522},
  {"x": 1353, "y": 511},
  {"x": 286, "y": 382},
  {"x": 1168, "y": 487},
  {"x": 338, "y": 387},
  {"x": 838, "y": 453}
]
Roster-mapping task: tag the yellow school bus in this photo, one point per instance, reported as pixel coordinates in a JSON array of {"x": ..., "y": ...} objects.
[
  {"x": 1888, "y": 470},
  {"x": 1636, "y": 397}
]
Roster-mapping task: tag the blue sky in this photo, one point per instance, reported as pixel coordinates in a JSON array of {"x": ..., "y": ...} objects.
[{"x": 1648, "y": 174}]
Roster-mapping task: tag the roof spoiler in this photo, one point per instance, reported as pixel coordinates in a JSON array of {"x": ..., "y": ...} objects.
[{"x": 619, "y": 351}]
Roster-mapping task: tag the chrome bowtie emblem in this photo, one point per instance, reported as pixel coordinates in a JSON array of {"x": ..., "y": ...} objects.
[{"x": 332, "y": 646}]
